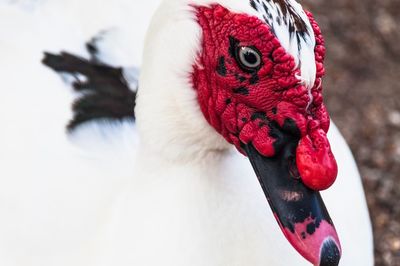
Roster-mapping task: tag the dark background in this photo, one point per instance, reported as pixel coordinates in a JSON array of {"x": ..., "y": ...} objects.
[{"x": 362, "y": 90}]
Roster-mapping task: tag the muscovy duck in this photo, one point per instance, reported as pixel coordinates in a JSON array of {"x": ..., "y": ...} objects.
[{"x": 164, "y": 184}]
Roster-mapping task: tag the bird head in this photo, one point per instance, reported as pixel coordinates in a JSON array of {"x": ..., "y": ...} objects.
[{"x": 252, "y": 69}]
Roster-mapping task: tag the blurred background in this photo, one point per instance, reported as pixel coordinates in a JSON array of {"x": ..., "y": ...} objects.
[{"x": 362, "y": 90}]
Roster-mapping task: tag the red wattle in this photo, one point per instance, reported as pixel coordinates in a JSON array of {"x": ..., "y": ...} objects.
[{"x": 315, "y": 161}]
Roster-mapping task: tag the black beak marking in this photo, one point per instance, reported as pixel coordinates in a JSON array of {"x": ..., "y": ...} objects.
[{"x": 330, "y": 254}]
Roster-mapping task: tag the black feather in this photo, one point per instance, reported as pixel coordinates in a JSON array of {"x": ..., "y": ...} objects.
[{"x": 104, "y": 95}]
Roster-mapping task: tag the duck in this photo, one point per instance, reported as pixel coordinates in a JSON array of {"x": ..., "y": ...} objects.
[{"x": 220, "y": 152}]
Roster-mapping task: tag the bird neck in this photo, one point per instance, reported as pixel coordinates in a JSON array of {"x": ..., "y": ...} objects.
[
  {"x": 170, "y": 122},
  {"x": 175, "y": 129}
]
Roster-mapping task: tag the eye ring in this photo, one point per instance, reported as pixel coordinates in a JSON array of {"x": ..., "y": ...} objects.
[{"x": 249, "y": 58}]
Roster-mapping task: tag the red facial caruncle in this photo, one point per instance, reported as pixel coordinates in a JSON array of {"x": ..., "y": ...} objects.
[{"x": 245, "y": 104}]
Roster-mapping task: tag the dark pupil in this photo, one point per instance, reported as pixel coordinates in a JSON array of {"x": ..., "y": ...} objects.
[{"x": 251, "y": 58}]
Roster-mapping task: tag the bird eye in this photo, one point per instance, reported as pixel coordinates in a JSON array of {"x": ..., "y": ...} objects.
[{"x": 249, "y": 58}]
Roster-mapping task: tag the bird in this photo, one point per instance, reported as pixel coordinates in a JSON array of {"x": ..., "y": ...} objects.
[{"x": 217, "y": 153}]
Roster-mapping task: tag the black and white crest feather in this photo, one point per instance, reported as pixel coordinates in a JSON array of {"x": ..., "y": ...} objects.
[
  {"x": 291, "y": 26},
  {"x": 278, "y": 12}
]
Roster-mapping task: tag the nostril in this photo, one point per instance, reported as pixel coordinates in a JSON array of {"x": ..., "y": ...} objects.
[
  {"x": 293, "y": 167},
  {"x": 330, "y": 254}
]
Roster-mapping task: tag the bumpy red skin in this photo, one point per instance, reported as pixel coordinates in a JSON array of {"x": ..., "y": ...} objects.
[{"x": 230, "y": 98}]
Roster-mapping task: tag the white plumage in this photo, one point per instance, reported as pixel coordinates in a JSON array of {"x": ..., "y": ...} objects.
[{"x": 104, "y": 196}]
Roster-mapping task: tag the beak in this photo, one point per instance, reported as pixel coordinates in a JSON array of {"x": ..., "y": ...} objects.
[{"x": 300, "y": 211}]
